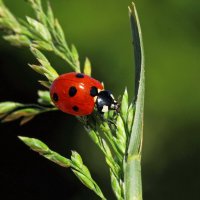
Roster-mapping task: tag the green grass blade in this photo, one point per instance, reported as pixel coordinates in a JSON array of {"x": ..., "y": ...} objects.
[
  {"x": 133, "y": 184},
  {"x": 136, "y": 135},
  {"x": 45, "y": 151}
]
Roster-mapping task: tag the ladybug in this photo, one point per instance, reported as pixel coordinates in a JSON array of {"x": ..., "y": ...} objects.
[{"x": 78, "y": 94}]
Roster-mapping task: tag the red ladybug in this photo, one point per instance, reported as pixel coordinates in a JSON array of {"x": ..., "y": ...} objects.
[{"x": 77, "y": 94}]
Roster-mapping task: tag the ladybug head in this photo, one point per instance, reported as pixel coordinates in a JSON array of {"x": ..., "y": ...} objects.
[{"x": 105, "y": 101}]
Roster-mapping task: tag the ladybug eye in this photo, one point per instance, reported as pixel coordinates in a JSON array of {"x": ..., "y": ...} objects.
[
  {"x": 79, "y": 75},
  {"x": 72, "y": 91},
  {"x": 93, "y": 91},
  {"x": 55, "y": 97}
]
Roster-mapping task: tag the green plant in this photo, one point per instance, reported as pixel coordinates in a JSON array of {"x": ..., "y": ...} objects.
[{"x": 121, "y": 143}]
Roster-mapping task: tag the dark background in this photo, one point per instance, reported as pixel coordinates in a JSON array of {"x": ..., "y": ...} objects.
[{"x": 100, "y": 30}]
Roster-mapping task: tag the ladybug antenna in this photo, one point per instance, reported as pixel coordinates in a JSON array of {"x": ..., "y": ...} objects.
[{"x": 119, "y": 98}]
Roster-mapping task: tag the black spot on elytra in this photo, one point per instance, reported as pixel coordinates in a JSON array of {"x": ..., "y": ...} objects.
[
  {"x": 75, "y": 108},
  {"x": 79, "y": 75},
  {"x": 93, "y": 91},
  {"x": 72, "y": 91},
  {"x": 55, "y": 97}
]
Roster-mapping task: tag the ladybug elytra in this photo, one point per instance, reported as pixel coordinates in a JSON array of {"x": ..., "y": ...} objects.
[{"x": 78, "y": 94}]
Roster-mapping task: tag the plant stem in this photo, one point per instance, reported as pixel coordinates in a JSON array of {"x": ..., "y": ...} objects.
[{"x": 133, "y": 187}]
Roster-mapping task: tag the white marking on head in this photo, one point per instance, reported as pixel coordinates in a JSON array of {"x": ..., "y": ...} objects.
[
  {"x": 105, "y": 109},
  {"x": 99, "y": 90},
  {"x": 95, "y": 98}
]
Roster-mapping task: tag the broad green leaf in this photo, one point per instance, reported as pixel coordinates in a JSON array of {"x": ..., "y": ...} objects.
[
  {"x": 133, "y": 185},
  {"x": 137, "y": 130}
]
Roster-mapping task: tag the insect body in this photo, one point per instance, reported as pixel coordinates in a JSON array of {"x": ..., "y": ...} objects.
[{"x": 77, "y": 94}]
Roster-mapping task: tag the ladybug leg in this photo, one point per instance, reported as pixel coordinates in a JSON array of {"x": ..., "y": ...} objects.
[
  {"x": 107, "y": 119},
  {"x": 112, "y": 123},
  {"x": 83, "y": 119}
]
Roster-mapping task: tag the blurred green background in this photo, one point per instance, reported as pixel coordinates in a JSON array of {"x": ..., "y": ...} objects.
[{"x": 101, "y": 31}]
